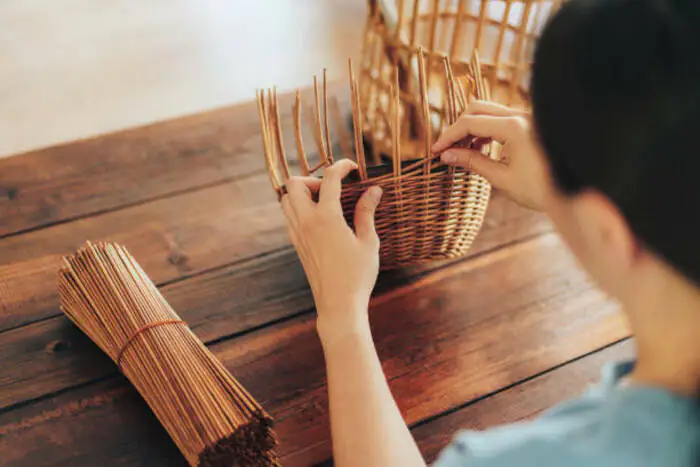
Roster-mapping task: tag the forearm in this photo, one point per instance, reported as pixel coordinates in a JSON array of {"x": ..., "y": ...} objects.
[{"x": 366, "y": 425}]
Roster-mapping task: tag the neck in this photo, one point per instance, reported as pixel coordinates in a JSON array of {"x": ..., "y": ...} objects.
[{"x": 665, "y": 318}]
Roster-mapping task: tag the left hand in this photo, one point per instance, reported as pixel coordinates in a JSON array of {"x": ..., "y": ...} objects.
[{"x": 341, "y": 265}]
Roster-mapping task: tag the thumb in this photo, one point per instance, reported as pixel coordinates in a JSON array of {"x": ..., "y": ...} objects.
[
  {"x": 493, "y": 171},
  {"x": 364, "y": 214}
]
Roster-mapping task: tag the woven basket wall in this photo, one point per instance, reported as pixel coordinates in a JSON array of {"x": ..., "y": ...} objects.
[
  {"x": 503, "y": 32},
  {"x": 428, "y": 211}
]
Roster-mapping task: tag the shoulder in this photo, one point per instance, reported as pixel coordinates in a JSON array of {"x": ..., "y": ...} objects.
[{"x": 632, "y": 427}]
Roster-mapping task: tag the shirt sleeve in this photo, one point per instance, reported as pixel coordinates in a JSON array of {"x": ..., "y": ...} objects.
[
  {"x": 542, "y": 442},
  {"x": 631, "y": 428},
  {"x": 533, "y": 444}
]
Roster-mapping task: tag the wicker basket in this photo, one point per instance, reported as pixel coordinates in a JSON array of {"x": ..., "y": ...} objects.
[
  {"x": 503, "y": 32},
  {"x": 429, "y": 211}
]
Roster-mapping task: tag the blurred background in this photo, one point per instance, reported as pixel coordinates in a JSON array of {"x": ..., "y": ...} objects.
[{"x": 71, "y": 69}]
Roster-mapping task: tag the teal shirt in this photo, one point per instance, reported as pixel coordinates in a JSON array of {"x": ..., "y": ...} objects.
[{"x": 609, "y": 426}]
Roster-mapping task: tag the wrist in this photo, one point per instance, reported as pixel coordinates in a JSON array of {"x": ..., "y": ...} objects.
[
  {"x": 341, "y": 345},
  {"x": 341, "y": 325}
]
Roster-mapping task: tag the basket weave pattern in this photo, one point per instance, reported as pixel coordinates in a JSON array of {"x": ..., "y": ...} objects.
[
  {"x": 428, "y": 211},
  {"x": 424, "y": 217}
]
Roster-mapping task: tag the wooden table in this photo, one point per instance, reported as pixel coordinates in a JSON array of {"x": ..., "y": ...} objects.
[{"x": 494, "y": 337}]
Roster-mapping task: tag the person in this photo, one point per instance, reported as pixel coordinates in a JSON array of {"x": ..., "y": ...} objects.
[{"x": 610, "y": 154}]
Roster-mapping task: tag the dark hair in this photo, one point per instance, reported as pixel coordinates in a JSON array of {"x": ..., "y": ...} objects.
[{"x": 616, "y": 105}]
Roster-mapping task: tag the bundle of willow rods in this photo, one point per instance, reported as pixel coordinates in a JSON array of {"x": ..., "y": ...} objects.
[{"x": 213, "y": 420}]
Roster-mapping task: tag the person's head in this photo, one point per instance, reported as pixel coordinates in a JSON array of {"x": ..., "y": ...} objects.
[{"x": 616, "y": 107}]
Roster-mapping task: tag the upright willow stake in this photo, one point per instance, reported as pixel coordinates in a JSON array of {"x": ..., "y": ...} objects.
[
  {"x": 480, "y": 23},
  {"x": 278, "y": 136},
  {"x": 318, "y": 128},
  {"x": 395, "y": 116},
  {"x": 399, "y": 23},
  {"x": 431, "y": 38},
  {"x": 448, "y": 182},
  {"x": 481, "y": 86},
  {"x": 357, "y": 124},
  {"x": 451, "y": 115},
  {"x": 303, "y": 161},
  {"x": 518, "y": 49},
  {"x": 267, "y": 144},
  {"x": 499, "y": 43},
  {"x": 433, "y": 25},
  {"x": 482, "y": 92},
  {"x": 427, "y": 133},
  {"x": 457, "y": 30},
  {"x": 396, "y": 127},
  {"x": 414, "y": 22},
  {"x": 425, "y": 110},
  {"x": 329, "y": 144}
]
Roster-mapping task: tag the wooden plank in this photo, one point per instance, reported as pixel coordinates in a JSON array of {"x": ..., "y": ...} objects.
[
  {"x": 178, "y": 237},
  {"x": 268, "y": 285},
  {"x": 125, "y": 168},
  {"x": 173, "y": 238},
  {"x": 448, "y": 338},
  {"x": 120, "y": 407}
]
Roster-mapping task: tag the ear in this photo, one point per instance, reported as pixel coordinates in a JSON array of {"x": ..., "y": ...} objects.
[{"x": 606, "y": 232}]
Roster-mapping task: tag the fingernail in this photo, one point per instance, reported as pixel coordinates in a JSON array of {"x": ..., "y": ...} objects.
[
  {"x": 375, "y": 193},
  {"x": 449, "y": 157}
]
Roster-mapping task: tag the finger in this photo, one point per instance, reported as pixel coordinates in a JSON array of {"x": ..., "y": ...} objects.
[
  {"x": 287, "y": 207},
  {"x": 312, "y": 183},
  {"x": 500, "y": 129},
  {"x": 292, "y": 233},
  {"x": 314, "y": 186},
  {"x": 493, "y": 171},
  {"x": 292, "y": 224},
  {"x": 332, "y": 180},
  {"x": 495, "y": 109},
  {"x": 298, "y": 195},
  {"x": 289, "y": 215},
  {"x": 288, "y": 210},
  {"x": 364, "y": 214}
]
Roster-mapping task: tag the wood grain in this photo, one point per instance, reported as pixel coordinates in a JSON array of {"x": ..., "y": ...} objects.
[
  {"x": 181, "y": 236},
  {"x": 264, "y": 285},
  {"x": 441, "y": 345},
  {"x": 172, "y": 238},
  {"x": 516, "y": 404},
  {"x": 74, "y": 180},
  {"x": 119, "y": 406}
]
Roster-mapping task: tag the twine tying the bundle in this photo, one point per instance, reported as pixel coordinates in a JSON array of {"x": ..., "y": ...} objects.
[{"x": 120, "y": 354}]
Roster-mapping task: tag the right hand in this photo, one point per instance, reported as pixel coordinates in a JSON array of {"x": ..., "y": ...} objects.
[{"x": 522, "y": 173}]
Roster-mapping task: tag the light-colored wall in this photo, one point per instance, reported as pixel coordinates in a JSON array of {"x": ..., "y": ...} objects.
[{"x": 71, "y": 69}]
